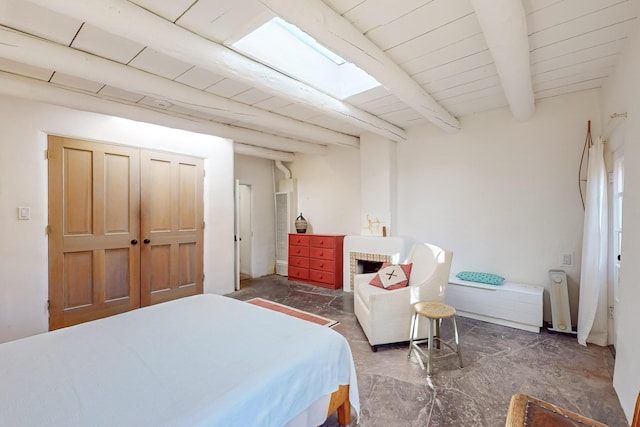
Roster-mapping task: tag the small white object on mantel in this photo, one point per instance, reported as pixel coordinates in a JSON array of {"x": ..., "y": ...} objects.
[{"x": 375, "y": 225}]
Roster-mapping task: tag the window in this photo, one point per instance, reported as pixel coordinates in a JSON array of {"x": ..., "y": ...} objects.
[{"x": 291, "y": 51}]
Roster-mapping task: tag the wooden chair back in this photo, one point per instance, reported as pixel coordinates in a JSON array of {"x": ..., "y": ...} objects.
[{"x": 636, "y": 414}]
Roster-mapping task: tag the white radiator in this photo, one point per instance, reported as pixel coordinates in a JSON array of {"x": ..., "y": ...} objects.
[{"x": 559, "y": 295}]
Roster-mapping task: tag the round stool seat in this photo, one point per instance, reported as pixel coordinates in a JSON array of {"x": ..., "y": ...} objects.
[{"x": 435, "y": 310}]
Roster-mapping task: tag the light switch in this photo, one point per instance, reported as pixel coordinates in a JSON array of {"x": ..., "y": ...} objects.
[
  {"x": 24, "y": 212},
  {"x": 566, "y": 259}
]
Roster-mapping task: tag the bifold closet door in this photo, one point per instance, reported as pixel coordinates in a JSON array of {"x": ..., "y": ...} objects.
[
  {"x": 125, "y": 229},
  {"x": 171, "y": 226},
  {"x": 94, "y": 230}
]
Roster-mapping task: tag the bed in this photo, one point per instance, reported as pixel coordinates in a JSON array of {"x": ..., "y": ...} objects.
[{"x": 205, "y": 360}]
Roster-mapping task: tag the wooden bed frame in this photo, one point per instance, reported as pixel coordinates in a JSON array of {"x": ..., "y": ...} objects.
[{"x": 340, "y": 402}]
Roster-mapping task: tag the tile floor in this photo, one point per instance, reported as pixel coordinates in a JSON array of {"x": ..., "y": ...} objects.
[{"x": 499, "y": 362}]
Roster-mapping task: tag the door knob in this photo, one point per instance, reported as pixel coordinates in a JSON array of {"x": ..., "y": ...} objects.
[
  {"x": 134, "y": 242},
  {"x": 147, "y": 241}
]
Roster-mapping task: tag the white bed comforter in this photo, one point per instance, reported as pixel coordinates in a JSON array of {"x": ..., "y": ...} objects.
[{"x": 205, "y": 360}]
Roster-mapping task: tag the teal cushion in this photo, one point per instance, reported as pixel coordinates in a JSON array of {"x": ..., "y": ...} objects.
[{"x": 473, "y": 276}]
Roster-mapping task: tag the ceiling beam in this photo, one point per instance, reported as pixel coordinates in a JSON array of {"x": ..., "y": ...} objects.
[
  {"x": 38, "y": 90},
  {"x": 340, "y": 36},
  {"x": 250, "y": 150},
  {"x": 504, "y": 25},
  {"x": 34, "y": 51},
  {"x": 131, "y": 21}
]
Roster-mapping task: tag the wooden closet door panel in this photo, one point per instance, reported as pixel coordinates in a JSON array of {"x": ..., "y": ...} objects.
[
  {"x": 157, "y": 194},
  {"x": 77, "y": 191},
  {"x": 189, "y": 178},
  {"x": 187, "y": 268},
  {"x": 78, "y": 279},
  {"x": 171, "y": 226},
  {"x": 117, "y": 272},
  {"x": 94, "y": 215},
  {"x": 160, "y": 267}
]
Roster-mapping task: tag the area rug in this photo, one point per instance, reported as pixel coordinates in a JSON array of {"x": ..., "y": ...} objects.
[{"x": 304, "y": 315}]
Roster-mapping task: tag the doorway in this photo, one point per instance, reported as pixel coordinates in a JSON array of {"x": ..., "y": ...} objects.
[{"x": 245, "y": 231}]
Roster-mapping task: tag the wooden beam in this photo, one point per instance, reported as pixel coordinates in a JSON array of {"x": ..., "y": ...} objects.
[
  {"x": 336, "y": 33},
  {"x": 38, "y": 90},
  {"x": 504, "y": 25},
  {"x": 40, "y": 53},
  {"x": 137, "y": 24},
  {"x": 252, "y": 150}
]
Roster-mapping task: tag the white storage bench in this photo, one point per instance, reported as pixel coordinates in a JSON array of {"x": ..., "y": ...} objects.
[{"x": 510, "y": 304}]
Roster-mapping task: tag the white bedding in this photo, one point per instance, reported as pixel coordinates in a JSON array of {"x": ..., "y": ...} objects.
[{"x": 205, "y": 360}]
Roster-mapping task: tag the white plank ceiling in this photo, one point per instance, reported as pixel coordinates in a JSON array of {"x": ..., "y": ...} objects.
[{"x": 573, "y": 46}]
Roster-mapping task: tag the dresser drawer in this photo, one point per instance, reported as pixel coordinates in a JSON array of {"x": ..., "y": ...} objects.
[
  {"x": 298, "y": 239},
  {"x": 299, "y": 251},
  {"x": 322, "y": 241},
  {"x": 298, "y": 273},
  {"x": 322, "y": 276},
  {"x": 321, "y": 253},
  {"x": 298, "y": 262},
  {"x": 321, "y": 265}
]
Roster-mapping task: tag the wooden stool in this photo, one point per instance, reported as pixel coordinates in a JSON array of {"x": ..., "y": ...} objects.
[{"x": 434, "y": 312}]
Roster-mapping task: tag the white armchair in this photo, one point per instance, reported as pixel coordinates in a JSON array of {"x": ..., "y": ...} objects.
[{"x": 385, "y": 316}]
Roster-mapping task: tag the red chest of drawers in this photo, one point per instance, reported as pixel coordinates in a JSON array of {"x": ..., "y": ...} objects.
[{"x": 316, "y": 259}]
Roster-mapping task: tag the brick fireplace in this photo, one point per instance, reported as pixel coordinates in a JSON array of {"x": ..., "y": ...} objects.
[
  {"x": 369, "y": 248},
  {"x": 357, "y": 260}
]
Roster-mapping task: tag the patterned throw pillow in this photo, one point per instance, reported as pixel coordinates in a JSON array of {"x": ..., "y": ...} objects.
[
  {"x": 392, "y": 276},
  {"x": 473, "y": 276}
]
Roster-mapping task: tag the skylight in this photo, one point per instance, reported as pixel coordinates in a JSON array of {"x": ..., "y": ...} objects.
[
  {"x": 308, "y": 40},
  {"x": 291, "y": 51}
]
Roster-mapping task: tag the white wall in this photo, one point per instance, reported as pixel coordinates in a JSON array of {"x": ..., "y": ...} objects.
[
  {"x": 501, "y": 194},
  {"x": 23, "y": 182},
  {"x": 621, "y": 93},
  {"x": 329, "y": 190},
  {"x": 378, "y": 176},
  {"x": 258, "y": 173}
]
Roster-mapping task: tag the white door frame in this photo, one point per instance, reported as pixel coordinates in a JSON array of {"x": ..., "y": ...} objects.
[
  {"x": 246, "y": 230},
  {"x": 236, "y": 233},
  {"x": 617, "y": 200}
]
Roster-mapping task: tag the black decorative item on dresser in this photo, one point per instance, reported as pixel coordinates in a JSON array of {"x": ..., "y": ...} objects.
[
  {"x": 316, "y": 259},
  {"x": 301, "y": 224}
]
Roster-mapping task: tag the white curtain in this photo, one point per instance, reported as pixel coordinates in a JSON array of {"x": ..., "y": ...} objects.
[{"x": 592, "y": 311}]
